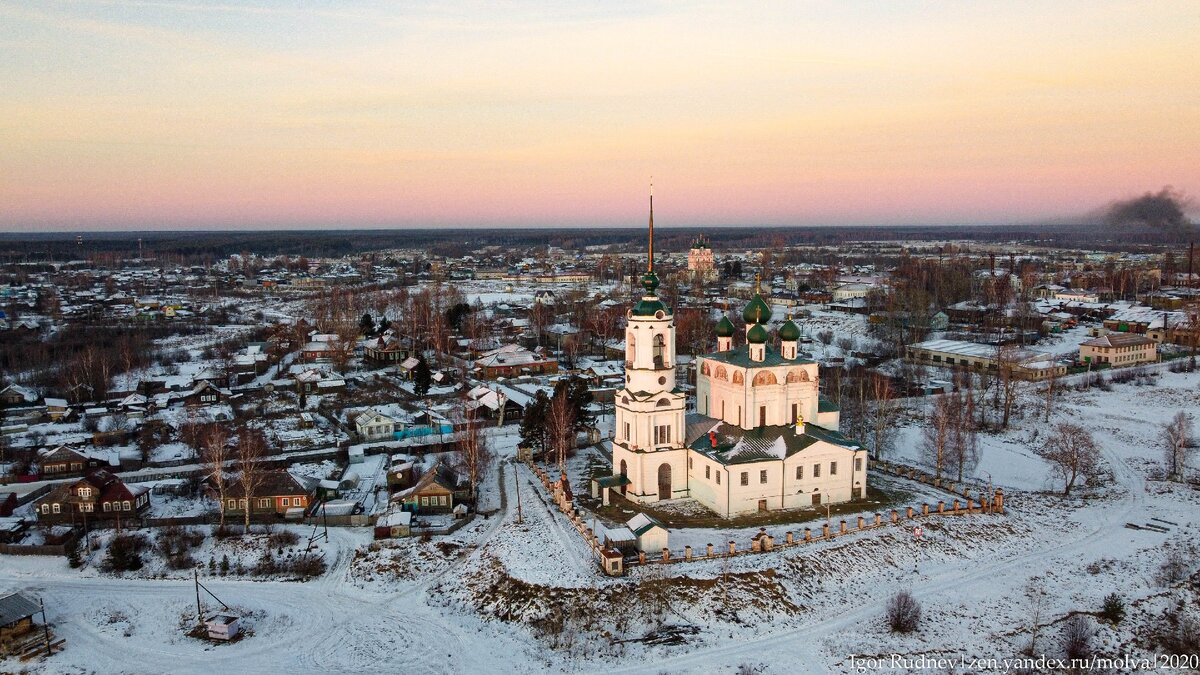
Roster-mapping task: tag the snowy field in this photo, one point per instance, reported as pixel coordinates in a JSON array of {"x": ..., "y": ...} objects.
[{"x": 503, "y": 596}]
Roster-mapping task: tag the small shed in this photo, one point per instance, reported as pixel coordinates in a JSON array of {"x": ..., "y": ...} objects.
[
  {"x": 223, "y": 626},
  {"x": 16, "y": 615},
  {"x": 394, "y": 524},
  {"x": 357, "y": 454},
  {"x": 652, "y": 536}
]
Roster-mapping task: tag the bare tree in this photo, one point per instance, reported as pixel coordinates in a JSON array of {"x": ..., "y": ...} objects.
[
  {"x": 937, "y": 433},
  {"x": 883, "y": 412},
  {"x": 474, "y": 455},
  {"x": 963, "y": 446},
  {"x": 1072, "y": 453},
  {"x": 1177, "y": 438},
  {"x": 903, "y": 612},
  {"x": 215, "y": 455},
  {"x": 561, "y": 420},
  {"x": 251, "y": 448},
  {"x": 1077, "y": 637},
  {"x": 1007, "y": 361}
]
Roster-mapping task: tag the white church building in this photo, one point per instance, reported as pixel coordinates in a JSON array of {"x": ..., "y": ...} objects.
[{"x": 763, "y": 438}]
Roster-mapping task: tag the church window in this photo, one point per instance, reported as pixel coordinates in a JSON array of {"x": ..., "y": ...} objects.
[
  {"x": 858, "y": 463},
  {"x": 707, "y": 472},
  {"x": 627, "y": 431},
  {"x": 745, "y": 478},
  {"x": 816, "y": 470},
  {"x": 833, "y": 468},
  {"x": 663, "y": 403},
  {"x": 737, "y": 377},
  {"x": 718, "y": 478},
  {"x": 762, "y": 476},
  {"x": 766, "y": 377},
  {"x": 660, "y": 351},
  {"x": 721, "y": 374},
  {"x": 795, "y": 411},
  {"x": 799, "y": 472},
  {"x": 762, "y": 416}
]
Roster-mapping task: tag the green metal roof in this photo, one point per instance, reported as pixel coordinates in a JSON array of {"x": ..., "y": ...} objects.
[
  {"x": 741, "y": 358},
  {"x": 743, "y": 446},
  {"x": 757, "y": 335},
  {"x": 725, "y": 327},
  {"x": 758, "y": 311},
  {"x": 649, "y": 306}
]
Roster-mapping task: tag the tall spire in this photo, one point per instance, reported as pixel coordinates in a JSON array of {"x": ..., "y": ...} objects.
[{"x": 650, "y": 260}]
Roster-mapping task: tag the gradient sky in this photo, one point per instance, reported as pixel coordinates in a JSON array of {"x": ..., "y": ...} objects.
[{"x": 162, "y": 114}]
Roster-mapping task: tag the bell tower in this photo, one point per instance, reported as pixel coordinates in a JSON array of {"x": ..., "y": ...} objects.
[{"x": 649, "y": 435}]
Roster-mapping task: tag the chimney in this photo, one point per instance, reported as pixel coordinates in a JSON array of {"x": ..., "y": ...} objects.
[{"x": 712, "y": 438}]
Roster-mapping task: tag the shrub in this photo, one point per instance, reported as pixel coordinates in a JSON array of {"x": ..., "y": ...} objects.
[
  {"x": 1174, "y": 568},
  {"x": 903, "y": 612},
  {"x": 1113, "y": 609},
  {"x": 1077, "y": 637},
  {"x": 283, "y": 538},
  {"x": 125, "y": 553},
  {"x": 305, "y": 565}
]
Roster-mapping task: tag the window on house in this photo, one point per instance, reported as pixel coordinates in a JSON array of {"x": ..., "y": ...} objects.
[
  {"x": 232, "y": 504},
  {"x": 707, "y": 472},
  {"x": 745, "y": 478},
  {"x": 286, "y": 501},
  {"x": 46, "y": 507},
  {"x": 833, "y": 468},
  {"x": 858, "y": 463},
  {"x": 87, "y": 507},
  {"x": 718, "y": 478},
  {"x": 127, "y": 505},
  {"x": 762, "y": 476},
  {"x": 799, "y": 472},
  {"x": 816, "y": 470},
  {"x": 107, "y": 506},
  {"x": 57, "y": 508},
  {"x": 85, "y": 492},
  {"x": 242, "y": 503},
  {"x": 264, "y": 503},
  {"x": 424, "y": 501}
]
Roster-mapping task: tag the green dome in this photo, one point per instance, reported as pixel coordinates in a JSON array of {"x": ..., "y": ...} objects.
[
  {"x": 724, "y": 327},
  {"x": 789, "y": 331},
  {"x": 757, "y": 335},
  {"x": 649, "y": 308},
  {"x": 650, "y": 282},
  {"x": 758, "y": 311}
]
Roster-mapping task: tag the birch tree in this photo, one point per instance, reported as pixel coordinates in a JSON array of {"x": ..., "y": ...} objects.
[{"x": 1177, "y": 438}]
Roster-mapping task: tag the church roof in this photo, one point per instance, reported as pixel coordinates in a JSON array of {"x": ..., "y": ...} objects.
[
  {"x": 741, "y": 358},
  {"x": 649, "y": 306},
  {"x": 757, "y": 335},
  {"x": 742, "y": 446},
  {"x": 757, "y": 311},
  {"x": 789, "y": 331},
  {"x": 724, "y": 327}
]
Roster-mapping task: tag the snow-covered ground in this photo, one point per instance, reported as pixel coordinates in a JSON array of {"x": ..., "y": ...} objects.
[{"x": 503, "y": 596}]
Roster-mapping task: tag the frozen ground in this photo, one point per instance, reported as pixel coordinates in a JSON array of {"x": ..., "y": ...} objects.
[{"x": 502, "y": 596}]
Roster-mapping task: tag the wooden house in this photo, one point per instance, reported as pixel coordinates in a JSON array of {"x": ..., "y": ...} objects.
[
  {"x": 433, "y": 493},
  {"x": 278, "y": 492},
  {"x": 98, "y": 496},
  {"x": 64, "y": 461}
]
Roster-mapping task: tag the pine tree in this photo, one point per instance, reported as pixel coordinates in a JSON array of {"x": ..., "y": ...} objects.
[
  {"x": 533, "y": 424},
  {"x": 422, "y": 377}
]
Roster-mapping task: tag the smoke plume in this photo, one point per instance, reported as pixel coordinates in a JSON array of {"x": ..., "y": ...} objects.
[{"x": 1162, "y": 211}]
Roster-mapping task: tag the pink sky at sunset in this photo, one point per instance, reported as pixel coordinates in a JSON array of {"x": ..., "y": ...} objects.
[{"x": 158, "y": 115}]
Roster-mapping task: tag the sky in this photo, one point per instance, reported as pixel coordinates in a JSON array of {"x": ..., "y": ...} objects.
[{"x": 148, "y": 115}]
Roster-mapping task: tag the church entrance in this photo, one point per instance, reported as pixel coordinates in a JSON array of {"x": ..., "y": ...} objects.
[
  {"x": 816, "y": 500},
  {"x": 664, "y": 481},
  {"x": 762, "y": 506},
  {"x": 625, "y": 473}
]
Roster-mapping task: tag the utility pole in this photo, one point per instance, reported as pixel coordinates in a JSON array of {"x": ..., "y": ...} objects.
[
  {"x": 45, "y": 627},
  {"x": 199, "y": 609},
  {"x": 517, "y": 482}
]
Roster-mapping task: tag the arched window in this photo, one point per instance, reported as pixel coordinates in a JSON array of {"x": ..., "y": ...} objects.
[
  {"x": 630, "y": 343},
  {"x": 660, "y": 351},
  {"x": 706, "y": 368},
  {"x": 797, "y": 375},
  {"x": 764, "y": 378},
  {"x": 721, "y": 374},
  {"x": 738, "y": 378},
  {"x": 663, "y": 403}
]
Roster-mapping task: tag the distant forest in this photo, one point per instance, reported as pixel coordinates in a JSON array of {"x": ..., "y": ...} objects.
[{"x": 203, "y": 246}]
